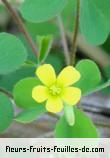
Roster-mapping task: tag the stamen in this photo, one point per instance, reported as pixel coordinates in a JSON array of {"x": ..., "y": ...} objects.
[{"x": 55, "y": 90}]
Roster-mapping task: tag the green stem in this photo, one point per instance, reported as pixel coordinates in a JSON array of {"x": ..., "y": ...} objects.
[
  {"x": 63, "y": 39},
  {"x": 6, "y": 93},
  {"x": 69, "y": 114}
]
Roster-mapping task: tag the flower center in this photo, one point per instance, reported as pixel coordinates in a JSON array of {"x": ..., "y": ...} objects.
[{"x": 55, "y": 90}]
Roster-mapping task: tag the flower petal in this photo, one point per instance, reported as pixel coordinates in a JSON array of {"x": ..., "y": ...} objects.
[
  {"x": 40, "y": 93},
  {"x": 46, "y": 74},
  {"x": 71, "y": 95},
  {"x": 54, "y": 105},
  {"x": 68, "y": 76}
]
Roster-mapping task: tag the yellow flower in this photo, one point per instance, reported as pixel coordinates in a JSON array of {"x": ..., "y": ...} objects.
[{"x": 56, "y": 90}]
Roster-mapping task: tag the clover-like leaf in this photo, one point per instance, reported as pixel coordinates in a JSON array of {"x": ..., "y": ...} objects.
[
  {"x": 29, "y": 115},
  {"x": 41, "y": 10},
  {"x": 103, "y": 6},
  {"x": 12, "y": 53},
  {"x": 6, "y": 112},
  {"x": 90, "y": 76},
  {"x": 23, "y": 94},
  {"x": 83, "y": 127},
  {"x": 93, "y": 22}
]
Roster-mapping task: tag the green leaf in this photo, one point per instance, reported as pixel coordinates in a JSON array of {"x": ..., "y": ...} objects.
[
  {"x": 68, "y": 13},
  {"x": 83, "y": 127},
  {"x": 103, "y": 6},
  {"x": 106, "y": 72},
  {"x": 8, "y": 81},
  {"x": 100, "y": 87},
  {"x": 6, "y": 112},
  {"x": 12, "y": 53},
  {"x": 41, "y": 10},
  {"x": 23, "y": 94},
  {"x": 45, "y": 43},
  {"x": 94, "y": 25},
  {"x": 90, "y": 76},
  {"x": 29, "y": 115}
]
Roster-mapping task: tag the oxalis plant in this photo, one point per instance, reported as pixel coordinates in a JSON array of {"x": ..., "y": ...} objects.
[{"x": 43, "y": 89}]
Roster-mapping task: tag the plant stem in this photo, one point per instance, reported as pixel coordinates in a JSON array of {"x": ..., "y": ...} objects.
[
  {"x": 76, "y": 28},
  {"x": 64, "y": 41},
  {"x": 6, "y": 93},
  {"x": 21, "y": 26}
]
